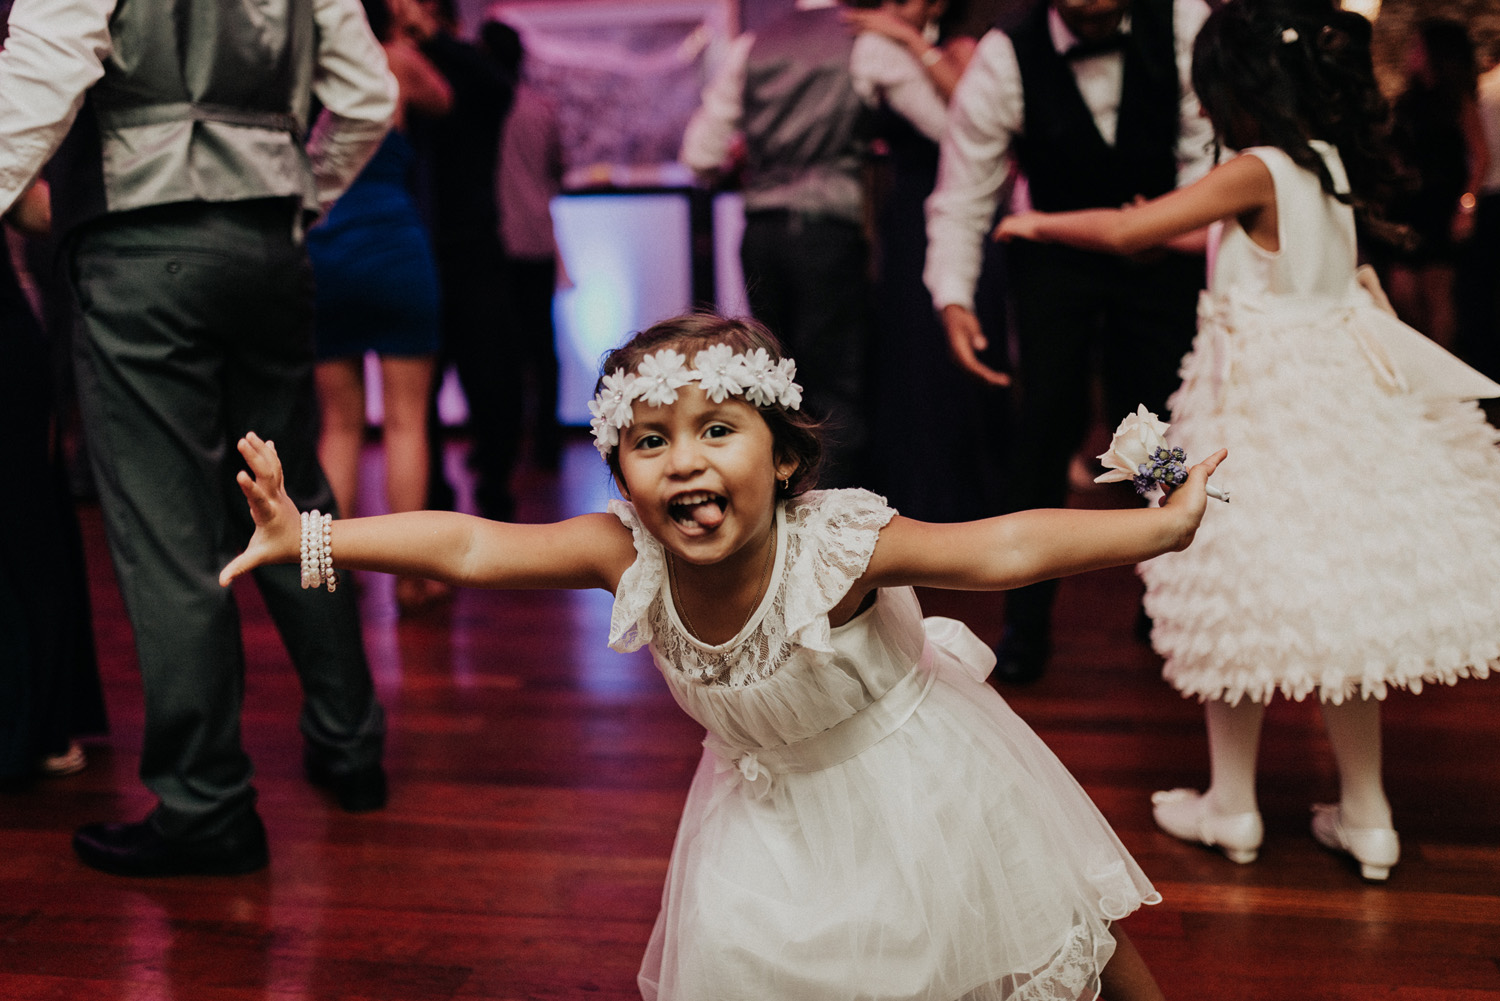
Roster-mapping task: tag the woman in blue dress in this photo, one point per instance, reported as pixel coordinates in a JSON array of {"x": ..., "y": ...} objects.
[{"x": 377, "y": 291}]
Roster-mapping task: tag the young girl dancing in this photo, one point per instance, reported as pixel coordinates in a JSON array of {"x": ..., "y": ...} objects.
[
  {"x": 869, "y": 818},
  {"x": 1362, "y": 548}
]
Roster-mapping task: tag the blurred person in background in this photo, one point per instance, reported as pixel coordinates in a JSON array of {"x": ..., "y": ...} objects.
[
  {"x": 1438, "y": 136},
  {"x": 456, "y": 190},
  {"x": 527, "y": 177},
  {"x": 182, "y": 187},
  {"x": 49, "y": 674},
  {"x": 1477, "y": 284},
  {"x": 377, "y": 290}
]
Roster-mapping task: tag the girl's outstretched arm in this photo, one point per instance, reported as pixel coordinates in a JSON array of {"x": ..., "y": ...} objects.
[
  {"x": 1240, "y": 189},
  {"x": 1029, "y": 546},
  {"x": 589, "y": 551}
]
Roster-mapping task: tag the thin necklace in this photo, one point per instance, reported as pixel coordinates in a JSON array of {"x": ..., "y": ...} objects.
[{"x": 760, "y": 589}]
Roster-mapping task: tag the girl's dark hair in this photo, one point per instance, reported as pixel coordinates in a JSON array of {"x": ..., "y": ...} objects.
[
  {"x": 793, "y": 432},
  {"x": 1282, "y": 72}
]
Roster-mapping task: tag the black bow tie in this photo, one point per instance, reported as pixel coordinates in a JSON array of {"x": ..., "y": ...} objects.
[{"x": 1112, "y": 42}]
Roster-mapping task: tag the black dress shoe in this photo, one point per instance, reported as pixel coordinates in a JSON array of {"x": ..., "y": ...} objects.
[
  {"x": 1021, "y": 655},
  {"x": 356, "y": 792},
  {"x": 141, "y": 850}
]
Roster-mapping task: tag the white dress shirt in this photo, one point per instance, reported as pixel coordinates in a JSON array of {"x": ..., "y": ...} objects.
[
  {"x": 1489, "y": 115},
  {"x": 988, "y": 110},
  {"x": 881, "y": 68},
  {"x": 56, "y": 52}
]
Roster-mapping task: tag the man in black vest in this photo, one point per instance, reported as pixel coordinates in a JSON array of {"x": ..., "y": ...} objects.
[
  {"x": 183, "y": 191},
  {"x": 1092, "y": 98}
]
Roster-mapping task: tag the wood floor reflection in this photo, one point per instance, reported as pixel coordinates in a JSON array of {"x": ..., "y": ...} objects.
[{"x": 536, "y": 779}]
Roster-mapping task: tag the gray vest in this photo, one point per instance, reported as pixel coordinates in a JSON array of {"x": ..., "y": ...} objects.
[
  {"x": 201, "y": 100},
  {"x": 805, "y": 128}
]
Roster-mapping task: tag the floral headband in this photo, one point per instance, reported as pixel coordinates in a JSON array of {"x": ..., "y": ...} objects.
[{"x": 718, "y": 370}]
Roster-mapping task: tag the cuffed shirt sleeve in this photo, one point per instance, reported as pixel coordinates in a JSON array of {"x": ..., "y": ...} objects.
[
  {"x": 986, "y": 112},
  {"x": 883, "y": 69},
  {"x": 711, "y": 131},
  {"x": 55, "y": 52},
  {"x": 354, "y": 83},
  {"x": 1195, "y": 134}
]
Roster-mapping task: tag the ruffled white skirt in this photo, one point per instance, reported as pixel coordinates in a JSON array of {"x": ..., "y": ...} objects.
[
  {"x": 955, "y": 858},
  {"x": 1362, "y": 547}
]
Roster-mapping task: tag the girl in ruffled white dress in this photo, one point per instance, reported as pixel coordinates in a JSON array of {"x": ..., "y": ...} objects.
[
  {"x": 1362, "y": 550},
  {"x": 869, "y": 819}
]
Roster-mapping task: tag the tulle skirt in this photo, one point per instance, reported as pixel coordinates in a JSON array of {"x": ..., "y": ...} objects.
[
  {"x": 1361, "y": 549},
  {"x": 956, "y": 858}
]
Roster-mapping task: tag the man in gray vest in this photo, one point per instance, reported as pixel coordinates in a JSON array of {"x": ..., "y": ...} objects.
[
  {"x": 789, "y": 91},
  {"x": 183, "y": 189}
]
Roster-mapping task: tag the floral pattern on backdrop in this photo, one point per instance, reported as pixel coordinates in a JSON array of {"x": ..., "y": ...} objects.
[{"x": 626, "y": 77}]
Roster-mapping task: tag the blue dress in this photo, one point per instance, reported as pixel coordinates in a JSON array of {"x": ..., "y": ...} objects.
[{"x": 376, "y": 281}]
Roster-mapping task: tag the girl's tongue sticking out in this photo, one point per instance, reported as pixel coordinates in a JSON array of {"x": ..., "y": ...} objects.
[{"x": 702, "y": 509}]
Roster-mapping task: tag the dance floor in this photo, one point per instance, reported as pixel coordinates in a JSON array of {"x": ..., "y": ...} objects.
[{"x": 536, "y": 778}]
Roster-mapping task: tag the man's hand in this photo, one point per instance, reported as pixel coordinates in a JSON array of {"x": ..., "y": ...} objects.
[{"x": 966, "y": 340}]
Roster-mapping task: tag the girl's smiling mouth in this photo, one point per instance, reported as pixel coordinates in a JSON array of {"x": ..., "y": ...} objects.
[{"x": 699, "y": 509}]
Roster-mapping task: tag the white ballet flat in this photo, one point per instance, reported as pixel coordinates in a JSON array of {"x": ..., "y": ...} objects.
[
  {"x": 1185, "y": 814},
  {"x": 1376, "y": 849}
]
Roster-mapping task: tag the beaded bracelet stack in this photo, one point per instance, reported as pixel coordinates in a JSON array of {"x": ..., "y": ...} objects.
[{"x": 317, "y": 550}]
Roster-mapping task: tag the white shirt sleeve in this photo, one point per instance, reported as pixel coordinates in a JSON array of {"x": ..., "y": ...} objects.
[
  {"x": 986, "y": 112},
  {"x": 55, "y": 53},
  {"x": 354, "y": 83},
  {"x": 884, "y": 69},
  {"x": 1195, "y": 133},
  {"x": 711, "y": 131}
]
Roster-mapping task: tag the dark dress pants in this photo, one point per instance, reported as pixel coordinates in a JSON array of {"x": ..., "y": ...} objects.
[
  {"x": 530, "y": 285},
  {"x": 807, "y": 278},
  {"x": 1077, "y": 312},
  {"x": 472, "y": 275},
  {"x": 196, "y": 327}
]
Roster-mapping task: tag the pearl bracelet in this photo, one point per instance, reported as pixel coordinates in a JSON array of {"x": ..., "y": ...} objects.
[{"x": 317, "y": 550}]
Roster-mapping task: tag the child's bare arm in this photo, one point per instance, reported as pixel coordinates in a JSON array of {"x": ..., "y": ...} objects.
[
  {"x": 1029, "y": 546},
  {"x": 1238, "y": 188},
  {"x": 590, "y": 551}
]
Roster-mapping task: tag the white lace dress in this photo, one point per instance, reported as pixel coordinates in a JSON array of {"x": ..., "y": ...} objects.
[
  {"x": 869, "y": 819},
  {"x": 1362, "y": 547}
]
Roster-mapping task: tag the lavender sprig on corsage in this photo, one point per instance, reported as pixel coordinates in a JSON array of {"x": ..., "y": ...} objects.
[{"x": 1139, "y": 453}]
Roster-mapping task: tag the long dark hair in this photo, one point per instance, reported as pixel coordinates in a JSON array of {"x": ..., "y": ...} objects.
[
  {"x": 1282, "y": 72},
  {"x": 794, "y": 432}
]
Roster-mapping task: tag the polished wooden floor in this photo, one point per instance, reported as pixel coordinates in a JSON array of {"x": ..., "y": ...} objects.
[{"x": 536, "y": 779}]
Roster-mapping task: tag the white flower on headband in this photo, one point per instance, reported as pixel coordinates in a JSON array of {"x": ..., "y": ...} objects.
[
  {"x": 788, "y": 393},
  {"x": 760, "y": 378},
  {"x": 611, "y": 409},
  {"x": 613, "y": 401},
  {"x": 606, "y": 435},
  {"x": 660, "y": 376},
  {"x": 718, "y": 370},
  {"x": 1289, "y": 36}
]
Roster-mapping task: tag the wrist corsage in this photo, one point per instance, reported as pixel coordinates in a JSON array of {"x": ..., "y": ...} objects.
[{"x": 1139, "y": 453}]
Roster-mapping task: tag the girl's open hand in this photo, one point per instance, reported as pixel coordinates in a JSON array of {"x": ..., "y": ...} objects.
[
  {"x": 1191, "y": 498},
  {"x": 1019, "y": 226},
  {"x": 278, "y": 524}
]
